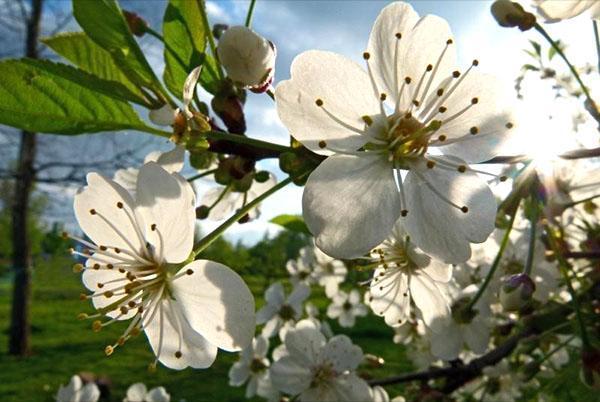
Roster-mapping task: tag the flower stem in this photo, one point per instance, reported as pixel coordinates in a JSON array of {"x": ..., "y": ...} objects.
[
  {"x": 270, "y": 93},
  {"x": 212, "y": 236},
  {"x": 496, "y": 262},
  {"x": 250, "y": 12},
  {"x": 532, "y": 234},
  {"x": 563, "y": 266},
  {"x": 199, "y": 175},
  {"x": 556, "y": 47},
  {"x": 240, "y": 139},
  {"x": 209, "y": 35}
]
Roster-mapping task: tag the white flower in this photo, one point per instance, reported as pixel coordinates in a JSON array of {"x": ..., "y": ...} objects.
[
  {"x": 253, "y": 367},
  {"x": 472, "y": 331},
  {"x": 163, "y": 116},
  {"x": 139, "y": 393},
  {"x": 328, "y": 272},
  {"x": 412, "y": 111},
  {"x": 280, "y": 312},
  {"x": 405, "y": 273},
  {"x": 77, "y": 392},
  {"x": 554, "y": 11},
  {"x": 319, "y": 370},
  {"x": 300, "y": 269},
  {"x": 346, "y": 307},
  {"x": 134, "y": 245},
  {"x": 222, "y": 201},
  {"x": 408, "y": 331},
  {"x": 172, "y": 161},
  {"x": 248, "y": 58}
]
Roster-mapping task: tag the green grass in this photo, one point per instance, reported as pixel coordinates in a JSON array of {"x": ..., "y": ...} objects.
[{"x": 63, "y": 346}]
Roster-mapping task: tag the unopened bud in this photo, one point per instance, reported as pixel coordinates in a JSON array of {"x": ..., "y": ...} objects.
[
  {"x": 137, "y": 25},
  {"x": 511, "y": 14},
  {"x": 248, "y": 58},
  {"x": 516, "y": 292},
  {"x": 262, "y": 176},
  {"x": 218, "y": 30},
  {"x": 374, "y": 361}
]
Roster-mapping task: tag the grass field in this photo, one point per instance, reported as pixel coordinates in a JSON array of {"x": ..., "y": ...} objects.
[{"x": 62, "y": 346}]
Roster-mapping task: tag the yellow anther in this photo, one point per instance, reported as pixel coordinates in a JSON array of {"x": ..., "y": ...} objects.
[
  {"x": 109, "y": 350},
  {"x": 77, "y": 268},
  {"x": 82, "y": 316},
  {"x": 96, "y": 326}
]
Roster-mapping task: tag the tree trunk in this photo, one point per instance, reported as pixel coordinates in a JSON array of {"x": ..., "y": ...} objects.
[{"x": 20, "y": 327}]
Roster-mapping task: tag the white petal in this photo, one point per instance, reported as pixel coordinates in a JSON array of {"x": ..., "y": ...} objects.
[
  {"x": 290, "y": 376},
  {"x": 89, "y": 393},
  {"x": 251, "y": 387},
  {"x": 434, "y": 307},
  {"x": 158, "y": 394},
  {"x": 354, "y": 297},
  {"x": 426, "y": 42},
  {"x": 555, "y": 11},
  {"x": 476, "y": 335},
  {"x": 351, "y": 388},
  {"x": 265, "y": 313},
  {"x": 334, "y": 310},
  {"x": 127, "y": 178},
  {"x": 272, "y": 327},
  {"x": 438, "y": 271},
  {"x": 163, "y": 116},
  {"x": 260, "y": 346},
  {"x": 398, "y": 17},
  {"x": 217, "y": 304},
  {"x": 346, "y": 319},
  {"x": 101, "y": 220},
  {"x": 440, "y": 229},
  {"x": 136, "y": 392},
  {"x": 238, "y": 374},
  {"x": 350, "y": 204},
  {"x": 167, "y": 201},
  {"x": 304, "y": 342},
  {"x": 299, "y": 294},
  {"x": 346, "y": 92},
  {"x": 275, "y": 295},
  {"x": 390, "y": 297},
  {"x": 490, "y": 116},
  {"x": 195, "y": 350},
  {"x": 447, "y": 344},
  {"x": 342, "y": 354},
  {"x": 172, "y": 161}
]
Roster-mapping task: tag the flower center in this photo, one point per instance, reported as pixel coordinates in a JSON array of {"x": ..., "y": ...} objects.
[
  {"x": 347, "y": 306},
  {"x": 286, "y": 312},
  {"x": 322, "y": 374},
  {"x": 257, "y": 365}
]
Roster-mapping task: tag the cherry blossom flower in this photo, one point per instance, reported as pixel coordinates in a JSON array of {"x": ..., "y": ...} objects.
[
  {"x": 222, "y": 201},
  {"x": 301, "y": 269},
  {"x": 411, "y": 111},
  {"x": 313, "y": 314},
  {"x": 135, "y": 244},
  {"x": 346, "y": 307},
  {"x": 75, "y": 391},
  {"x": 316, "y": 369},
  {"x": 279, "y": 313},
  {"x": 472, "y": 331},
  {"x": 248, "y": 58},
  {"x": 406, "y": 274},
  {"x": 554, "y": 11},
  {"x": 253, "y": 368},
  {"x": 139, "y": 393}
]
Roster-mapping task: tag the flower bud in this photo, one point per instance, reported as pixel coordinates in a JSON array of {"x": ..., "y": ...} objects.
[
  {"x": 511, "y": 14},
  {"x": 248, "y": 58},
  {"x": 516, "y": 292},
  {"x": 137, "y": 25}
]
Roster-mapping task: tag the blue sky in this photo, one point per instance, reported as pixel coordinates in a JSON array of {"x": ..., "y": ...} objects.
[{"x": 343, "y": 27}]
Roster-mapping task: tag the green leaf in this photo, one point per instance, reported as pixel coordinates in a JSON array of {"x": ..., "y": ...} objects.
[
  {"x": 209, "y": 78},
  {"x": 537, "y": 47},
  {"x": 103, "y": 22},
  {"x": 185, "y": 41},
  {"x": 295, "y": 223},
  {"x": 530, "y": 67},
  {"x": 79, "y": 49},
  {"x": 42, "y": 96}
]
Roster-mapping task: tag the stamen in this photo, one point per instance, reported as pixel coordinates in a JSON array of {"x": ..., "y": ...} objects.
[
  {"x": 347, "y": 126},
  {"x": 435, "y": 70},
  {"x": 464, "y": 209}
]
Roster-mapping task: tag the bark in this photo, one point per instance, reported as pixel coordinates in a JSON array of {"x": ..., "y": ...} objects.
[{"x": 20, "y": 326}]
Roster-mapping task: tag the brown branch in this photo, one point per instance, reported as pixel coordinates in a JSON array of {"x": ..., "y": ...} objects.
[{"x": 582, "y": 254}]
